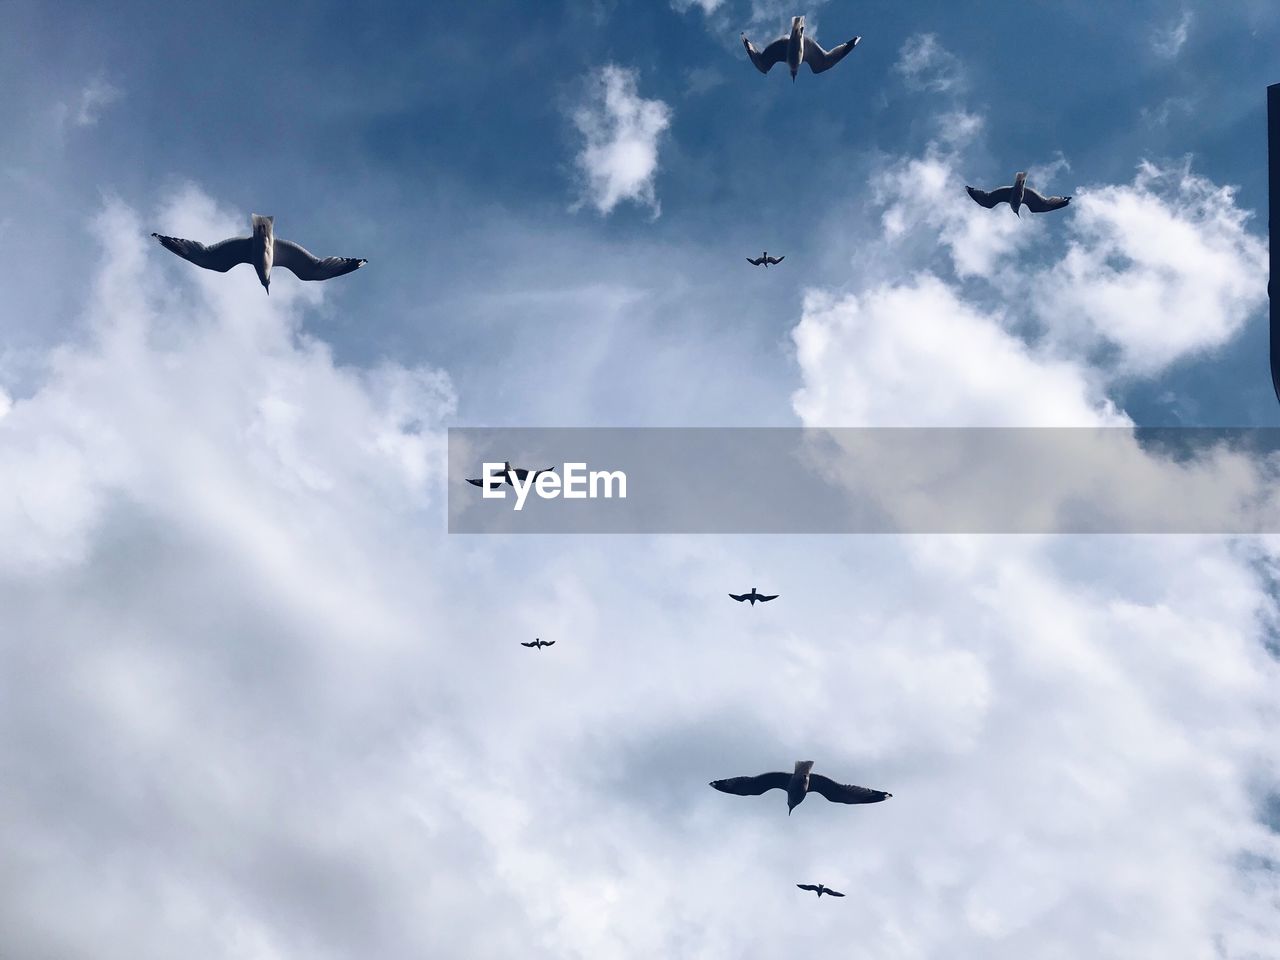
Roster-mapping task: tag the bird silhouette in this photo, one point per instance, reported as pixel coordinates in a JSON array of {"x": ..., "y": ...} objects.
[
  {"x": 508, "y": 472},
  {"x": 765, "y": 260},
  {"x": 795, "y": 48},
  {"x": 538, "y": 643},
  {"x": 753, "y": 596},
  {"x": 797, "y": 785},
  {"x": 1018, "y": 196},
  {"x": 820, "y": 889},
  {"x": 263, "y": 249}
]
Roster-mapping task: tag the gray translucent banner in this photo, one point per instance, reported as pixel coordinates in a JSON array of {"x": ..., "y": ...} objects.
[{"x": 855, "y": 480}]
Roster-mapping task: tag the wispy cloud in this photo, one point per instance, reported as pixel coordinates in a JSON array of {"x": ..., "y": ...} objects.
[
  {"x": 700, "y": 80},
  {"x": 1163, "y": 112},
  {"x": 706, "y": 6},
  {"x": 621, "y": 133},
  {"x": 1168, "y": 40},
  {"x": 85, "y": 109},
  {"x": 925, "y": 64}
]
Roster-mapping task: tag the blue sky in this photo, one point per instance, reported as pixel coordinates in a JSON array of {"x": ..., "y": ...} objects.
[
  {"x": 257, "y": 703},
  {"x": 394, "y": 131}
]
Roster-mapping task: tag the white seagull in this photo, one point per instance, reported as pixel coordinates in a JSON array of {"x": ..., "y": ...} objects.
[
  {"x": 796, "y": 48},
  {"x": 264, "y": 250},
  {"x": 820, "y": 889},
  {"x": 798, "y": 784},
  {"x": 1017, "y": 196}
]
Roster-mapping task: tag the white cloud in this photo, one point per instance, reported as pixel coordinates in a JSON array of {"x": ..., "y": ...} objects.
[
  {"x": 1155, "y": 271},
  {"x": 1162, "y": 268},
  {"x": 1162, "y": 113},
  {"x": 621, "y": 133},
  {"x": 255, "y": 698},
  {"x": 925, "y": 204},
  {"x": 1168, "y": 41},
  {"x": 86, "y": 109},
  {"x": 1082, "y": 759},
  {"x": 700, "y": 80},
  {"x": 916, "y": 354},
  {"x": 706, "y": 6},
  {"x": 925, "y": 64}
]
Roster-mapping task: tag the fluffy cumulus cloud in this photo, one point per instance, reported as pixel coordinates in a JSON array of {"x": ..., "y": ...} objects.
[
  {"x": 862, "y": 355},
  {"x": 257, "y": 704},
  {"x": 924, "y": 207},
  {"x": 1159, "y": 268},
  {"x": 1156, "y": 270},
  {"x": 621, "y": 134},
  {"x": 1094, "y": 804}
]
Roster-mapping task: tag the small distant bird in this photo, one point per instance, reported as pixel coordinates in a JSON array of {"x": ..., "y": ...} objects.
[
  {"x": 538, "y": 643},
  {"x": 797, "y": 784},
  {"x": 820, "y": 890},
  {"x": 508, "y": 472},
  {"x": 752, "y": 597},
  {"x": 765, "y": 260},
  {"x": 1017, "y": 196},
  {"x": 796, "y": 48},
  {"x": 264, "y": 250}
]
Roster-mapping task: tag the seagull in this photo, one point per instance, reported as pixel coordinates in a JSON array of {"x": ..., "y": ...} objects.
[
  {"x": 766, "y": 260},
  {"x": 538, "y": 643},
  {"x": 820, "y": 890},
  {"x": 752, "y": 597},
  {"x": 797, "y": 785},
  {"x": 263, "y": 249},
  {"x": 508, "y": 471},
  {"x": 1017, "y": 196},
  {"x": 795, "y": 48}
]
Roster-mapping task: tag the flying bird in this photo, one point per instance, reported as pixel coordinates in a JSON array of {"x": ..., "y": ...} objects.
[
  {"x": 508, "y": 471},
  {"x": 798, "y": 784},
  {"x": 752, "y": 597},
  {"x": 263, "y": 249},
  {"x": 765, "y": 260},
  {"x": 796, "y": 48},
  {"x": 538, "y": 643},
  {"x": 820, "y": 889},
  {"x": 1017, "y": 196}
]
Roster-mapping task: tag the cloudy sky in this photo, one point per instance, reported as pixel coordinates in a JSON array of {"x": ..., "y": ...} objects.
[{"x": 256, "y": 703}]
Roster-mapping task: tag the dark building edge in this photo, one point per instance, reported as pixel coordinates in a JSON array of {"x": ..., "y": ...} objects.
[{"x": 1273, "y": 210}]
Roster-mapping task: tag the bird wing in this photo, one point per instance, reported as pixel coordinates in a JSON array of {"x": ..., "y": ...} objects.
[
  {"x": 819, "y": 59},
  {"x": 753, "y": 786},
  {"x": 478, "y": 483},
  {"x": 548, "y": 643},
  {"x": 807, "y": 886},
  {"x": 989, "y": 200},
  {"x": 764, "y": 59},
  {"x": 777, "y": 259},
  {"x": 766, "y": 597},
  {"x": 834, "y": 893},
  {"x": 307, "y": 266},
  {"x": 843, "y": 792},
  {"x": 755, "y": 263},
  {"x": 1041, "y": 204},
  {"x": 219, "y": 256},
  {"x": 523, "y": 644},
  {"x": 739, "y": 596}
]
